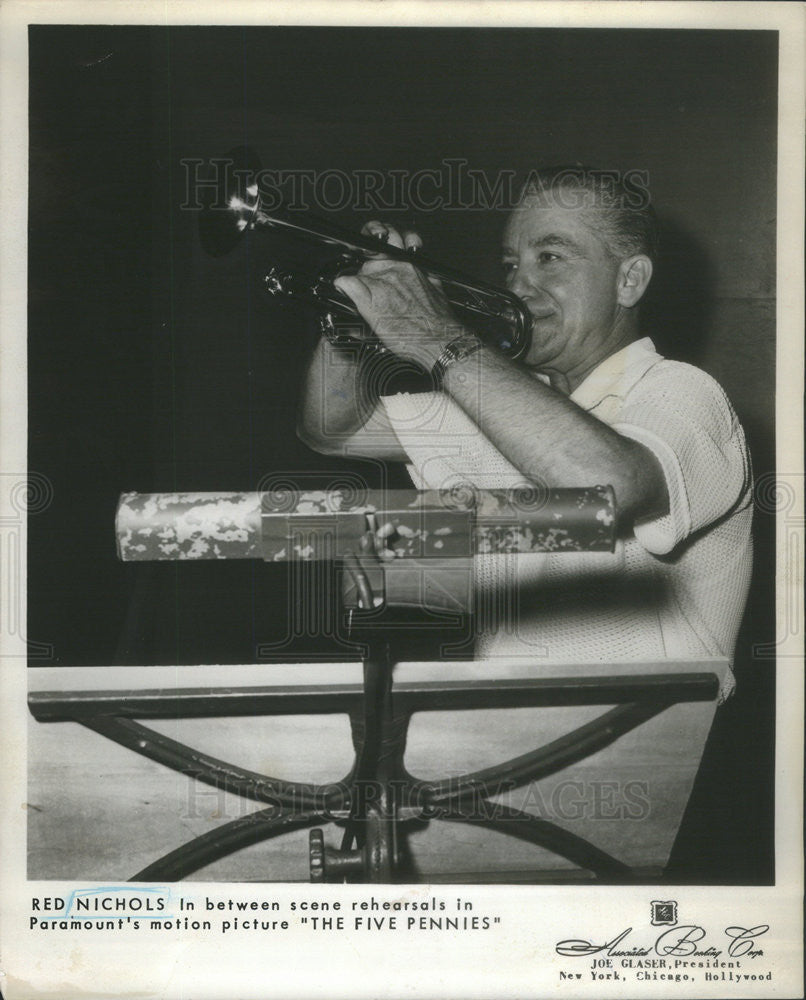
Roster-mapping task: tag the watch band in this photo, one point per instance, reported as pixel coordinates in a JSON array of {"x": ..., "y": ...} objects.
[{"x": 458, "y": 349}]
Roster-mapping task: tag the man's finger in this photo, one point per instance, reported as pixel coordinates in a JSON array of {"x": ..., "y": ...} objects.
[
  {"x": 355, "y": 289},
  {"x": 376, "y": 229},
  {"x": 412, "y": 240},
  {"x": 383, "y": 232}
]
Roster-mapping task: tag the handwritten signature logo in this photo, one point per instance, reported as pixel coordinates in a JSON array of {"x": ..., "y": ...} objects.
[{"x": 686, "y": 941}]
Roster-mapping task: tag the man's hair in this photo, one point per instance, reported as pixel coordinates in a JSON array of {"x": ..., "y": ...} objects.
[{"x": 622, "y": 210}]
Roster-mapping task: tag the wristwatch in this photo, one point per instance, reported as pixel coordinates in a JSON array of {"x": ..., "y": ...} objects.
[{"x": 458, "y": 349}]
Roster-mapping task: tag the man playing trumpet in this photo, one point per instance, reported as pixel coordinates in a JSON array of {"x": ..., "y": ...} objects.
[{"x": 591, "y": 402}]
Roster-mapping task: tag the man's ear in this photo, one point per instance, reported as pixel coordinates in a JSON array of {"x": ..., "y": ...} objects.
[{"x": 633, "y": 277}]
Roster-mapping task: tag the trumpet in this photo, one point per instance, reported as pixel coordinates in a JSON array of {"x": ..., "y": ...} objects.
[{"x": 495, "y": 314}]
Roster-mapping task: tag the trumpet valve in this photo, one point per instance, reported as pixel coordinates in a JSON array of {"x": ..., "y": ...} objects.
[{"x": 277, "y": 282}]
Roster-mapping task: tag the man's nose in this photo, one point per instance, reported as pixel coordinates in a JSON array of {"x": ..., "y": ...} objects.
[{"x": 518, "y": 283}]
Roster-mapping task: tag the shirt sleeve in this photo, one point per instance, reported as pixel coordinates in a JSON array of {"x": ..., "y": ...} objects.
[{"x": 685, "y": 419}]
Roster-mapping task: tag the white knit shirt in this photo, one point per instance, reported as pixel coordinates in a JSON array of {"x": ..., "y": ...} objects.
[{"x": 676, "y": 589}]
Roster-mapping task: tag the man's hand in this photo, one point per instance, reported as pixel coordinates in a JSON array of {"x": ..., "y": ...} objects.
[{"x": 407, "y": 312}]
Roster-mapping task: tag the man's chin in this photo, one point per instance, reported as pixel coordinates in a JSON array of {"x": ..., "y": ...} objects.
[
  {"x": 545, "y": 347},
  {"x": 545, "y": 328},
  {"x": 538, "y": 366}
]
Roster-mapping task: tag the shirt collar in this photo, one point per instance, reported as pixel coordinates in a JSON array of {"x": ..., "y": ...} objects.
[{"x": 616, "y": 375}]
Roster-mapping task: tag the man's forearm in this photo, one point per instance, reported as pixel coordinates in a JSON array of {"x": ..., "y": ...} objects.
[
  {"x": 331, "y": 405},
  {"x": 551, "y": 439},
  {"x": 340, "y": 413}
]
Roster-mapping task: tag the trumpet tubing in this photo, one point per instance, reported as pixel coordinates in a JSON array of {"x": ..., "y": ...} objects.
[{"x": 498, "y": 316}]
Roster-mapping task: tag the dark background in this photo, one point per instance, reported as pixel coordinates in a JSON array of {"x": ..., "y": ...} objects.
[{"x": 154, "y": 368}]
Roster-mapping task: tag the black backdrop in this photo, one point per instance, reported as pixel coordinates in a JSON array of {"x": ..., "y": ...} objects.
[{"x": 153, "y": 367}]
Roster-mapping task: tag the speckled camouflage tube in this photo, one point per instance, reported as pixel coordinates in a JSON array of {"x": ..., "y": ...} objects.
[{"x": 308, "y": 524}]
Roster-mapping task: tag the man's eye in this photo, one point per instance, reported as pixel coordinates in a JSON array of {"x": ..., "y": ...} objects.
[
  {"x": 547, "y": 257},
  {"x": 509, "y": 267}
]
